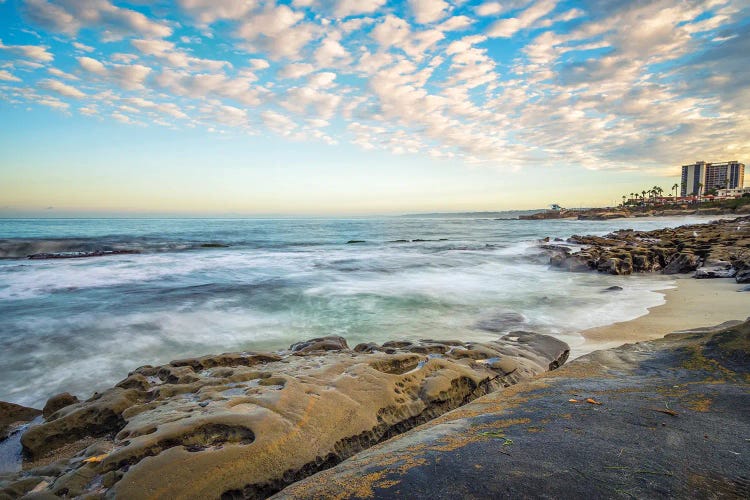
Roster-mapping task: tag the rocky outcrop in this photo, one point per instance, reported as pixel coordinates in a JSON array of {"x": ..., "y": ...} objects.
[
  {"x": 247, "y": 424},
  {"x": 603, "y": 215},
  {"x": 722, "y": 247},
  {"x": 660, "y": 419},
  {"x": 12, "y": 416}
]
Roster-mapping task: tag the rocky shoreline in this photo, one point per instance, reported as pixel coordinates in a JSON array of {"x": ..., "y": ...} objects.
[
  {"x": 256, "y": 421},
  {"x": 720, "y": 249},
  {"x": 660, "y": 419}
]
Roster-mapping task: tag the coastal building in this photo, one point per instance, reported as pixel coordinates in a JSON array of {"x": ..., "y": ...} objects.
[{"x": 701, "y": 177}]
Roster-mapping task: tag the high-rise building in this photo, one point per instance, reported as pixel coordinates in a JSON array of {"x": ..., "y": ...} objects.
[{"x": 701, "y": 177}]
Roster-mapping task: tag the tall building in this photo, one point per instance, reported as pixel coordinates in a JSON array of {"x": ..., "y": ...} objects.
[{"x": 701, "y": 177}]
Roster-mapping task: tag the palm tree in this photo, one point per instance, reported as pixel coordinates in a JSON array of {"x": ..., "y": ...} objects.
[
  {"x": 623, "y": 200},
  {"x": 643, "y": 196},
  {"x": 674, "y": 188},
  {"x": 700, "y": 190}
]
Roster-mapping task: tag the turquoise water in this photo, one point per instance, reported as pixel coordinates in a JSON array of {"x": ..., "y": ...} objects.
[{"x": 79, "y": 325}]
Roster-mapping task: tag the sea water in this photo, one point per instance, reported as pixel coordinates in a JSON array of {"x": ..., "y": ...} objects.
[{"x": 201, "y": 286}]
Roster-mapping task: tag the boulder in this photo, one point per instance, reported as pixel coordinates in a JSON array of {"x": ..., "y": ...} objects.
[
  {"x": 58, "y": 402},
  {"x": 714, "y": 272}
]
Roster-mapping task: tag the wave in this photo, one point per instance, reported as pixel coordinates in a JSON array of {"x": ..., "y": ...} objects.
[{"x": 66, "y": 248}]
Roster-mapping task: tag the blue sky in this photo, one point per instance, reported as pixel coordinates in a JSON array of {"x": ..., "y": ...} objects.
[{"x": 361, "y": 106}]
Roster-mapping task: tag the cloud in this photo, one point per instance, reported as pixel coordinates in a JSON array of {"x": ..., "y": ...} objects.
[
  {"x": 277, "y": 29},
  {"x": 127, "y": 76},
  {"x": 7, "y": 76},
  {"x": 296, "y": 70},
  {"x": 36, "y": 52},
  {"x": 506, "y": 28},
  {"x": 428, "y": 11},
  {"x": 61, "y": 88},
  {"x": 169, "y": 54},
  {"x": 346, "y": 8},
  {"x": 70, "y": 16},
  {"x": 209, "y": 11},
  {"x": 645, "y": 81}
]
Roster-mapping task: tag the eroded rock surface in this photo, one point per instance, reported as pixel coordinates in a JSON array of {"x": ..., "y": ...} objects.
[
  {"x": 722, "y": 247},
  {"x": 244, "y": 425},
  {"x": 660, "y": 419},
  {"x": 13, "y": 415}
]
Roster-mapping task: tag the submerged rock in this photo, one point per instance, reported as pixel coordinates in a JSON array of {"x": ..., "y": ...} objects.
[{"x": 247, "y": 424}]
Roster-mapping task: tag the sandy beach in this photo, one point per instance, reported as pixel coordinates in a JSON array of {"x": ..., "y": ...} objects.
[{"x": 692, "y": 304}]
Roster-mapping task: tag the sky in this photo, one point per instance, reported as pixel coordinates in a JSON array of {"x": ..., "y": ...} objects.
[{"x": 316, "y": 107}]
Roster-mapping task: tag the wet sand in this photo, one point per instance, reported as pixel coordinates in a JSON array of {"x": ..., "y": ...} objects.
[{"x": 692, "y": 304}]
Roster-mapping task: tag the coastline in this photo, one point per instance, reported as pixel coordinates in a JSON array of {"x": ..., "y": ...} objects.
[{"x": 691, "y": 304}]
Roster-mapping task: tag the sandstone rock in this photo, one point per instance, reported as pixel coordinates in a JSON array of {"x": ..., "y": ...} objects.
[
  {"x": 247, "y": 424},
  {"x": 12, "y": 415},
  {"x": 532, "y": 442},
  {"x": 58, "y": 402}
]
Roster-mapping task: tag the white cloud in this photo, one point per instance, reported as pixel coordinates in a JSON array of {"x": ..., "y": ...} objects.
[
  {"x": 428, "y": 11},
  {"x": 92, "y": 65},
  {"x": 281, "y": 124},
  {"x": 296, "y": 70},
  {"x": 277, "y": 30},
  {"x": 506, "y": 28},
  {"x": 206, "y": 85},
  {"x": 209, "y": 11},
  {"x": 346, "y": 8},
  {"x": 61, "y": 88},
  {"x": 168, "y": 53},
  {"x": 330, "y": 51},
  {"x": 7, "y": 76},
  {"x": 83, "y": 47},
  {"x": 259, "y": 64},
  {"x": 127, "y": 76},
  {"x": 489, "y": 9},
  {"x": 35, "y": 52},
  {"x": 69, "y": 16}
]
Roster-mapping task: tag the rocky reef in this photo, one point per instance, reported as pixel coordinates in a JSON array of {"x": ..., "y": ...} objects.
[
  {"x": 660, "y": 419},
  {"x": 717, "y": 249},
  {"x": 244, "y": 425}
]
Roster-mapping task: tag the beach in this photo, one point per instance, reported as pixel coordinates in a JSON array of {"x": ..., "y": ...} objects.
[{"x": 691, "y": 304}]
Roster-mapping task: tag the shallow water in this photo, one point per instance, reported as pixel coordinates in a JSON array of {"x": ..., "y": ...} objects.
[{"x": 79, "y": 325}]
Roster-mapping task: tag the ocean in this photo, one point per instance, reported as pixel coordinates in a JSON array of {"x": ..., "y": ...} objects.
[{"x": 201, "y": 286}]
